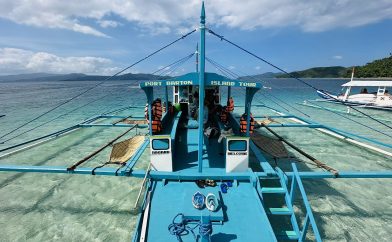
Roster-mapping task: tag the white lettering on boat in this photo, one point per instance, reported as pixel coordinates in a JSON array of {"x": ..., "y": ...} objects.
[
  {"x": 237, "y": 153},
  {"x": 152, "y": 84},
  {"x": 179, "y": 83},
  {"x": 228, "y": 83},
  {"x": 247, "y": 84},
  {"x": 222, "y": 83}
]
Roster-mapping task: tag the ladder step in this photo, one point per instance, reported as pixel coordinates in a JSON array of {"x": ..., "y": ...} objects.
[
  {"x": 272, "y": 190},
  {"x": 288, "y": 235},
  {"x": 279, "y": 211}
]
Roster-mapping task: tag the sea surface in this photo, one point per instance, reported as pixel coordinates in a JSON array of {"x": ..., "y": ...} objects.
[{"x": 55, "y": 207}]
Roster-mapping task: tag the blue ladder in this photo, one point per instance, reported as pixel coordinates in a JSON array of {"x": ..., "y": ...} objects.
[{"x": 285, "y": 211}]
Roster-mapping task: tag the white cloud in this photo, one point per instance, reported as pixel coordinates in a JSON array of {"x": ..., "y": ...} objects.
[
  {"x": 108, "y": 23},
  {"x": 337, "y": 57},
  {"x": 167, "y": 16},
  {"x": 257, "y": 67},
  {"x": 14, "y": 60}
]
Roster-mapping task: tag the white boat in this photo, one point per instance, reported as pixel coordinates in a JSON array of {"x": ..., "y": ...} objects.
[{"x": 381, "y": 98}]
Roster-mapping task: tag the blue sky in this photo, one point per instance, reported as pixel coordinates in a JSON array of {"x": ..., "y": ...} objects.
[{"x": 102, "y": 37}]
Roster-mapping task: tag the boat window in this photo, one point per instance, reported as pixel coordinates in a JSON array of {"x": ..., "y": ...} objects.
[
  {"x": 237, "y": 145},
  {"x": 160, "y": 144}
]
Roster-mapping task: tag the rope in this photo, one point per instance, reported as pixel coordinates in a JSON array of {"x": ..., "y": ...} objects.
[
  {"x": 181, "y": 228},
  {"x": 234, "y": 75},
  {"x": 357, "y": 122},
  {"x": 294, "y": 77},
  {"x": 205, "y": 229},
  {"x": 51, "y": 120},
  {"x": 181, "y": 61},
  {"x": 98, "y": 84},
  {"x": 107, "y": 163},
  {"x": 224, "y": 72}
]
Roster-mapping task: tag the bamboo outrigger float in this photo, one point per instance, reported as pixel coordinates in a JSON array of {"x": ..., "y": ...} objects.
[{"x": 185, "y": 163}]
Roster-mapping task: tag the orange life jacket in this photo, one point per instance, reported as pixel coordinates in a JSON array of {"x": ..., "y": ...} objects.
[
  {"x": 156, "y": 110},
  {"x": 156, "y": 126},
  {"x": 230, "y": 105},
  {"x": 243, "y": 124}
]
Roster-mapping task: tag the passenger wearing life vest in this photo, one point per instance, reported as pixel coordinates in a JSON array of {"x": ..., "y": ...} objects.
[
  {"x": 224, "y": 115},
  {"x": 243, "y": 124},
  {"x": 230, "y": 105}
]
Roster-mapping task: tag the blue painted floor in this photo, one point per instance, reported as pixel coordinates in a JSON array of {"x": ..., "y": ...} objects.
[
  {"x": 241, "y": 223},
  {"x": 186, "y": 151}
]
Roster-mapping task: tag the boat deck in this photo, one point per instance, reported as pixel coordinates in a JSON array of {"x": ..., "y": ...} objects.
[
  {"x": 240, "y": 223},
  {"x": 186, "y": 152}
]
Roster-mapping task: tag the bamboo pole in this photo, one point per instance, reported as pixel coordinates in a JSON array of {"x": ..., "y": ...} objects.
[
  {"x": 97, "y": 151},
  {"x": 317, "y": 162}
]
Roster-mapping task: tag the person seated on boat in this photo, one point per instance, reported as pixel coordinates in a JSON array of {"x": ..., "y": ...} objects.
[
  {"x": 222, "y": 113},
  {"x": 193, "y": 106},
  {"x": 169, "y": 107},
  {"x": 364, "y": 91},
  {"x": 196, "y": 98},
  {"x": 387, "y": 93},
  {"x": 230, "y": 105},
  {"x": 212, "y": 132},
  {"x": 206, "y": 113},
  {"x": 216, "y": 95}
]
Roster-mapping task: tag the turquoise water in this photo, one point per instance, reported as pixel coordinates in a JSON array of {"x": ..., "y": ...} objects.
[{"x": 42, "y": 207}]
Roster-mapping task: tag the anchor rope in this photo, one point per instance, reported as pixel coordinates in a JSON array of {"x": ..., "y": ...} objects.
[
  {"x": 181, "y": 228},
  {"x": 98, "y": 84},
  {"x": 222, "y": 38}
]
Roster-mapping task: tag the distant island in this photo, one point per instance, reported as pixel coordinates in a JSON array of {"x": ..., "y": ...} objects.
[
  {"x": 378, "y": 68},
  {"x": 78, "y": 77},
  {"x": 381, "y": 68}
]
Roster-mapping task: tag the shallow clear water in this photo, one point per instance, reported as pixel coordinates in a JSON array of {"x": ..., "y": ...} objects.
[{"x": 41, "y": 207}]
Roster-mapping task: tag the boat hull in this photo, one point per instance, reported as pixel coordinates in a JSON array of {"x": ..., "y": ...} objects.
[{"x": 362, "y": 104}]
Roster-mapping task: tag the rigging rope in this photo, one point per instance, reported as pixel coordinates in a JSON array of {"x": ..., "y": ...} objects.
[
  {"x": 98, "y": 84},
  {"x": 357, "y": 122},
  {"x": 364, "y": 125},
  {"x": 294, "y": 77},
  {"x": 234, "y": 75}
]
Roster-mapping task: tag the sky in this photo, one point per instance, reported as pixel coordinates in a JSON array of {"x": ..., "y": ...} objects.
[{"x": 102, "y": 37}]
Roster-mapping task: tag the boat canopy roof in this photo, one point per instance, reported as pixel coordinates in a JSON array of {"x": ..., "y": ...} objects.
[
  {"x": 192, "y": 79},
  {"x": 368, "y": 84}
]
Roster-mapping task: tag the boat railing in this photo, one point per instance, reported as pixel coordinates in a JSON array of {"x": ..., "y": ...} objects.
[{"x": 296, "y": 182}]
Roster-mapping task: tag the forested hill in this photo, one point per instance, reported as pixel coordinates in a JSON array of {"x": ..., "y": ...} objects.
[
  {"x": 327, "y": 72},
  {"x": 377, "y": 68}
]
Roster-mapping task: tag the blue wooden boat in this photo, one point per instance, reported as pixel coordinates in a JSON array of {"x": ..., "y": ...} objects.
[{"x": 185, "y": 165}]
